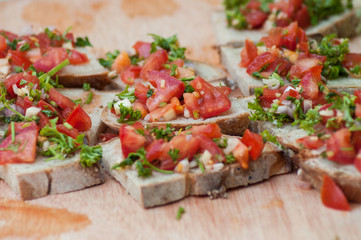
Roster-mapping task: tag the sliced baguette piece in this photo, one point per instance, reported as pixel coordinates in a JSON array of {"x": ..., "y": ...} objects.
[
  {"x": 74, "y": 76},
  {"x": 160, "y": 189},
  {"x": 232, "y": 122},
  {"x": 344, "y": 25},
  {"x": 230, "y": 58},
  {"x": 204, "y": 70},
  {"x": 311, "y": 165},
  {"x": 43, "y": 178},
  {"x": 347, "y": 177},
  {"x": 94, "y": 109}
]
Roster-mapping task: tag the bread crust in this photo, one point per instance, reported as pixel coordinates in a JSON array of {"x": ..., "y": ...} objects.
[{"x": 160, "y": 189}]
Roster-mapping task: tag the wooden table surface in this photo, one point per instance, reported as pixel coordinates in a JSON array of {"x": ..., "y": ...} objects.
[{"x": 282, "y": 208}]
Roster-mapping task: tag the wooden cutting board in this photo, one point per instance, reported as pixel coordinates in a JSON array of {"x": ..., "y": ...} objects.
[{"x": 282, "y": 208}]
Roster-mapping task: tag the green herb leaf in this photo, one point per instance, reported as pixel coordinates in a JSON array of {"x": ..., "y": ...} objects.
[
  {"x": 164, "y": 133},
  {"x": 174, "y": 154},
  {"x": 110, "y": 57},
  {"x": 126, "y": 94},
  {"x": 150, "y": 93},
  {"x": 169, "y": 44},
  {"x": 82, "y": 42},
  {"x": 221, "y": 142},
  {"x": 180, "y": 212},
  {"x": 90, "y": 155},
  {"x": 128, "y": 115},
  {"x": 86, "y": 86}
]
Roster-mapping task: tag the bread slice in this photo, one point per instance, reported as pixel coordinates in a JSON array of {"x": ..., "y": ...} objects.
[
  {"x": 94, "y": 109},
  {"x": 160, "y": 189},
  {"x": 42, "y": 178},
  {"x": 347, "y": 177},
  {"x": 344, "y": 25},
  {"x": 230, "y": 58},
  {"x": 205, "y": 71},
  {"x": 311, "y": 165},
  {"x": 232, "y": 122},
  {"x": 74, "y": 76}
]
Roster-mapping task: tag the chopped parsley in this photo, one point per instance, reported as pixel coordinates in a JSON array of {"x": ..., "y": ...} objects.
[
  {"x": 163, "y": 133},
  {"x": 143, "y": 166},
  {"x": 150, "y": 93},
  {"x": 90, "y": 155},
  {"x": 126, "y": 94},
  {"x": 110, "y": 57},
  {"x": 221, "y": 142},
  {"x": 321, "y": 9},
  {"x": 174, "y": 154},
  {"x": 128, "y": 115},
  {"x": 332, "y": 68},
  {"x": 170, "y": 44},
  {"x": 82, "y": 42},
  {"x": 180, "y": 212}
]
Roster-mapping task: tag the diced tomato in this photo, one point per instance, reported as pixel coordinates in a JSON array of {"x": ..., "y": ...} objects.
[
  {"x": 212, "y": 100},
  {"x": 357, "y": 93},
  {"x": 142, "y": 49},
  {"x": 25, "y": 140},
  {"x": 154, "y": 62},
  {"x": 241, "y": 154},
  {"x": 273, "y": 38},
  {"x": 358, "y": 110},
  {"x": 163, "y": 114},
  {"x": 130, "y": 140},
  {"x": 289, "y": 38},
  {"x": 76, "y": 57},
  {"x": 63, "y": 102},
  {"x": 303, "y": 17},
  {"x": 140, "y": 106},
  {"x": 320, "y": 100},
  {"x": 268, "y": 96},
  {"x": 130, "y": 73},
  {"x": 207, "y": 144},
  {"x": 191, "y": 104},
  {"x": 256, "y": 18},
  {"x": 79, "y": 119},
  {"x": 260, "y": 62},
  {"x": 210, "y": 130},
  {"x": 292, "y": 93},
  {"x": 351, "y": 60},
  {"x": 104, "y": 137},
  {"x": 188, "y": 145},
  {"x": 332, "y": 195},
  {"x": 73, "y": 132},
  {"x": 24, "y": 103},
  {"x": 21, "y": 127},
  {"x": 140, "y": 91},
  {"x": 310, "y": 86},
  {"x": 3, "y": 44},
  {"x": 254, "y": 142},
  {"x": 304, "y": 65},
  {"x": 52, "y": 58},
  {"x": 155, "y": 150},
  {"x": 248, "y": 53},
  {"x": 177, "y": 62},
  {"x": 311, "y": 142},
  {"x": 43, "y": 120},
  {"x": 356, "y": 140},
  {"x": 339, "y": 147},
  {"x": 46, "y": 106},
  {"x": 16, "y": 79},
  {"x": 19, "y": 58},
  {"x": 283, "y": 65},
  {"x": 358, "y": 161},
  {"x": 121, "y": 62},
  {"x": 253, "y": 4},
  {"x": 167, "y": 87},
  {"x": 320, "y": 58}
]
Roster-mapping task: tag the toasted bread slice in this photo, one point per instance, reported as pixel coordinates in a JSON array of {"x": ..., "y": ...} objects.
[
  {"x": 344, "y": 25},
  {"x": 232, "y": 122},
  {"x": 74, "y": 76},
  {"x": 347, "y": 177},
  {"x": 43, "y": 178},
  {"x": 205, "y": 71},
  {"x": 311, "y": 165},
  {"x": 160, "y": 189},
  {"x": 231, "y": 57}
]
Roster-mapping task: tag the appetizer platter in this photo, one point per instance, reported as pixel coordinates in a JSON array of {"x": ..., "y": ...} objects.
[{"x": 140, "y": 130}]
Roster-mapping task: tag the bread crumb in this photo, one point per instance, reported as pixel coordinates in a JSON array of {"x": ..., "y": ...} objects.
[{"x": 218, "y": 193}]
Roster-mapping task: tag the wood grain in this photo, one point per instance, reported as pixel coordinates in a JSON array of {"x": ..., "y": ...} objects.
[{"x": 277, "y": 209}]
